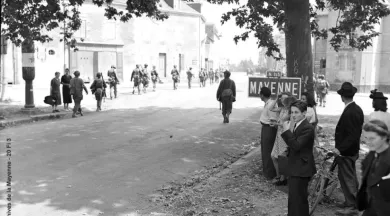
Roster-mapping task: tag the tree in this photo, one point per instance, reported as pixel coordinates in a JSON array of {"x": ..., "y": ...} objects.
[
  {"x": 34, "y": 19},
  {"x": 296, "y": 18}
]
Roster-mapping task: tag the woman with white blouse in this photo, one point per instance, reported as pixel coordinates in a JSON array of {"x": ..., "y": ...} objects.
[{"x": 380, "y": 107}]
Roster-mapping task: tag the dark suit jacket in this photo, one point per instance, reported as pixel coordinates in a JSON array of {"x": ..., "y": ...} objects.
[
  {"x": 225, "y": 84},
  {"x": 300, "y": 150},
  {"x": 349, "y": 130},
  {"x": 383, "y": 169}
]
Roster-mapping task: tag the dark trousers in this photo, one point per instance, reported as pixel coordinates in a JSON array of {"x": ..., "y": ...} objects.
[
  {"x": 322, "y": 98},
  {"x": 377, "y": 205},
  {"x": 112, "y": 88},
  {"x": 189, "y": 83},
  {"x": 268, "y": 135},
  {"x": 297, "y": 196},
  {"x": 348, "y": 179},
  {"x": 227, "y": 106},
  {"x": 77, "y": 103}
]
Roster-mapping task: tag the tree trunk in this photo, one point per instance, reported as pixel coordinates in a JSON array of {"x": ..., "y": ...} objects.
[
  {"x": 3, "y": 81},
  {"x": 298, "y": 43}
]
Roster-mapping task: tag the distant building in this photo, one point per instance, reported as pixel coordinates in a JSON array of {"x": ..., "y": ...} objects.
[
  {"x": 366, "y": 69},
  {"x": 180, "y": 40},
  {"x": 211, "y": 47},
  {"x": 269, "y": 62}
]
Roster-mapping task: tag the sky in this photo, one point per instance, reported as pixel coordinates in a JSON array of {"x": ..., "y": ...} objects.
[{"x": 244, "y": 49}]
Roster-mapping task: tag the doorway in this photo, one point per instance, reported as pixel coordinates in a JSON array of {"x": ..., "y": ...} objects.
[{"x": 162, "y": 66}]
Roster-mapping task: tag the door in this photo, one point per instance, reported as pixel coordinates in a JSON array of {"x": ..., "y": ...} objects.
[
  {"x": 106, "y": 59},
  {"x": 84, "y": 64},
  {"x": 162, "y": 66}
]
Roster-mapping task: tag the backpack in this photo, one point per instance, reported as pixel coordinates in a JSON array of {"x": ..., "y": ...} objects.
[
  {"x": 227, "y": 92},
  {"x": 321, "y": 84}
]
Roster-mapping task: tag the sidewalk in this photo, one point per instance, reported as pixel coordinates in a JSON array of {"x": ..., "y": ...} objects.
[{"x": 11, "y": 113}]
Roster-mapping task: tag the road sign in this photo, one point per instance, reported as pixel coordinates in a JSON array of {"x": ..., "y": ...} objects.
[
  {"x": 276, "y": 85},
  {"x": 274, "y": 74}
]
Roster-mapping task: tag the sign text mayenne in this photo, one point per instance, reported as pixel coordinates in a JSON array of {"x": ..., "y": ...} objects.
[{"x": 276, "y": 85}]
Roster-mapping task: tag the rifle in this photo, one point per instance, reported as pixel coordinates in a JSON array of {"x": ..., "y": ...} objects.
[{"x": 104, "y": 90}]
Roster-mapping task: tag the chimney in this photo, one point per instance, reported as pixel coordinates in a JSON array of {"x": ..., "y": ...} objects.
[
  {"x": 171, "y": 3},
  {"x": 196, "y": 6}
]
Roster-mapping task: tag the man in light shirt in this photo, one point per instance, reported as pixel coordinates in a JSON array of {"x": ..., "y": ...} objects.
[{"x": 268, "y": 133}]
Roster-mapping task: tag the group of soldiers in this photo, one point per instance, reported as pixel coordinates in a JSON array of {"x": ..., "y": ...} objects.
[
  {"x": 142, "y": 76},
  {"x": 321, "y": 88}
]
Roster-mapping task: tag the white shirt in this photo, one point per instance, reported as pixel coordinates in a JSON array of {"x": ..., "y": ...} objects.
[
  {"x": 348, "y": 104},
  {"x": 310, "y": 115},
  {"x": 298, "y": 123},
  {"x": 266, "y": 114}
]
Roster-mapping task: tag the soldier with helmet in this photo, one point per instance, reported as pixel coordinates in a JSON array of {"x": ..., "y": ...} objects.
[
  {"x": 136, "y": 76},
  {"x": 322, "y": 89}
]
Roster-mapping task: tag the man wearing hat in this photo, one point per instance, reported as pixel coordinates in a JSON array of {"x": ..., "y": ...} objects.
[
  {"x": 380, "y": 107},
  {"x": 76, "y": 89},
  {"x": 347, "y": 143},
  {"x": 322, "y": 89},
  {"x": 226, "y": 94},
  {"x": 113, "y": 80}
]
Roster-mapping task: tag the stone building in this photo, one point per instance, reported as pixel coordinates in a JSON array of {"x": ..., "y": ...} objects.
[
  {"x": 366, "y": 69},
  {"x": 180, "y": 40},
  {"x": 212, "y": 47}
]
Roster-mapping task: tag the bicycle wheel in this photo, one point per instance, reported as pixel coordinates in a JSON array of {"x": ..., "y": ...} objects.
[{"x": 316, "y": 192}]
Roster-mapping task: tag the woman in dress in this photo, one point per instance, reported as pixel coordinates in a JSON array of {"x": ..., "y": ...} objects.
[
  {"x": 374, "y": 193},
  {"x": 380, "y": 107},
  {"x": 97, "y": 88},
  {"x": 280, "y": 146},
  {"x": 65, "y": 81},
  {"x": 55, "y": 91},
  {"x": 311, "y": 113}
]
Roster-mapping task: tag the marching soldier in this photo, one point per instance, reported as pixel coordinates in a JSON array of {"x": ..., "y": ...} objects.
[
  {"x": 216, "y": 76},
  {"x": 190, "y": 75},
  {"x": 145, "y": 78},
  {"x": 211, "y": 76},
  {"x": 155, "y": 77},
  {"x": 175, "y": 77},
  {"x": 136, "y": 75},
  {"x": 226, "y": 94},
  {"x": 201, "y": 77},
  {"x": 113, "y": 81},
  {"x": 322, "y": 89}
]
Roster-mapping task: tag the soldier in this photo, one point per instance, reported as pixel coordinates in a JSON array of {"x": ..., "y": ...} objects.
[
  {"x": 113, "y": 81},
  {"x": 155, "y": 77},
  {"x": 211, "y": 76},
  {"x": 136, "y": 75},
  {"x": 205, "y": 74},
  {"x": 226, "y": 94},
  {"x": 175, "y": 77},
  {"x": 216, "y": 76},
  {"x": 190, "y": 75},
  {"x": 322, "y": 89},
  {"x": 145, "y": 78}
]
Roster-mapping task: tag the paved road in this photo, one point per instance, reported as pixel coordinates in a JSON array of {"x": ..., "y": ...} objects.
[{"x": 112, "y": 161}]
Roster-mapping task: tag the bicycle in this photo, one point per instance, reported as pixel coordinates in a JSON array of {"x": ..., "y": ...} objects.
[{"x": 325, "y": 181}]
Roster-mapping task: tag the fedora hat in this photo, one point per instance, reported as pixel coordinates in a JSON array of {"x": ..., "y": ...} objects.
[
  {"x": 113, "y": 66},
  {"x": 347, "y": 89},
  {"x": 377, "y": 95}
]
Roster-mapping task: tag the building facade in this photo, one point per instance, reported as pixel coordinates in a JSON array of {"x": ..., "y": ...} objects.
[
  {"x": 367, "y": 70},
  {"x": 102, "y": 43}
]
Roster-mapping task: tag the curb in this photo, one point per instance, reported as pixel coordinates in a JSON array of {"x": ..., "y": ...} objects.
[
  {"x": 33, "y": 118},
  {"x": 241, "y": 161}
]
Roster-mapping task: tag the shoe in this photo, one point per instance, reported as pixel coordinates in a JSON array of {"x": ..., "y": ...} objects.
[
  {"x": 56, "y": 110},
  {"x": 281, "y": 182},
  {"x": 227, "y": 118},
  {"x": 81, "y": 113},
  {"x": 351, "y": 211},
  {"x": 133, "y": 91},
  {"x": 224, "y": 119},
  {"x": 276, "y": 179}
]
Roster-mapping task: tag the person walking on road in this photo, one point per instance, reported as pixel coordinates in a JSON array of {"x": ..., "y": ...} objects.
[
  {"x": 216, "y": 76},
  {"x": 226, "y": 94},
  {"x": 65, "y": 81},
  {"x": 380, "y": 107},
  {"x": 97, "y": 88},
  {"x": 145, "y": 78},
  {"x": 154, "y": 76},
  {"x": 322, "y": 89},
  {"x": 201, "y": 77},
  {"x": 374, "y": 193},
  {"x": 76, "y": 89},
  {"x": 347, "y": 143},
  {"x": 55, "y": 91},
  {"x": 190, "y": 75},
  {"x": 175, "y": 77},
  {"x": 113, "y": 81},
  {"x": 268, "y": 133},
  {"x": 211, "y": 76},
  {"x": 136, "y": 76},
  {"x": 301, "y": 166}
]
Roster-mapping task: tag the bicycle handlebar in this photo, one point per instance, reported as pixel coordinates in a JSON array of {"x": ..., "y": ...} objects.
[{"x": 328, "y": 152}]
